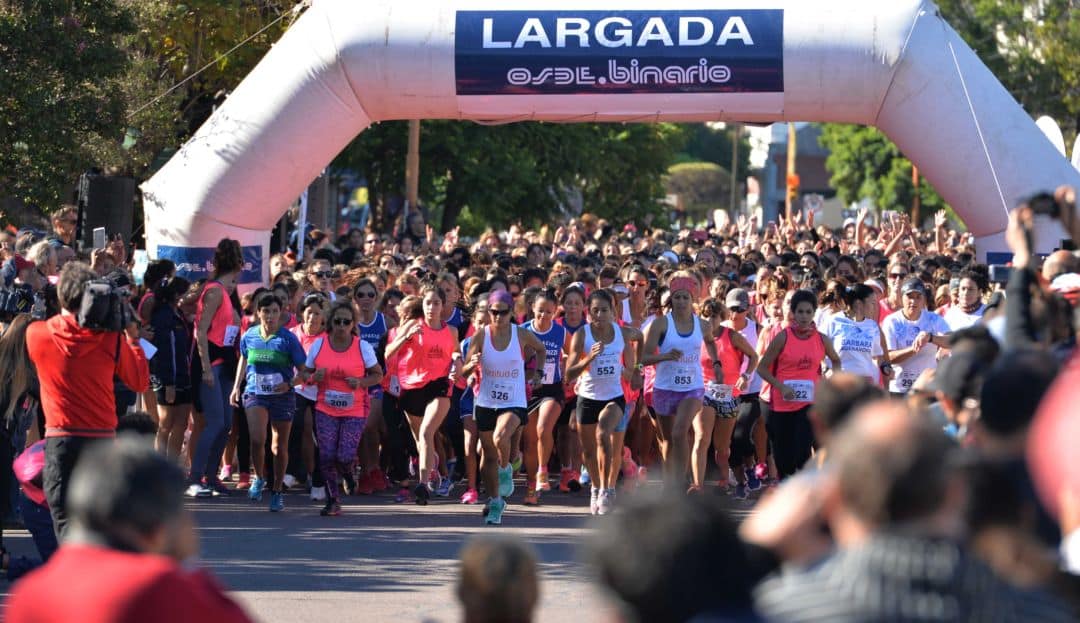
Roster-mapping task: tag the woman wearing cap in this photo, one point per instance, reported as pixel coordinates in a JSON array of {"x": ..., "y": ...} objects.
[
  {"x": 749, "y": 441},
  {"x": 429, "y": 365},
  {"x": 791, "y": 366},
  {"x": 508, "y": 356},
  {"x": 857, "y": 338},
  {"x": 600, "y": 356},
  {"x": 716, "y": 420},
  {"x": 913, "y": 335},
  {"x": 673, "y": 344}
]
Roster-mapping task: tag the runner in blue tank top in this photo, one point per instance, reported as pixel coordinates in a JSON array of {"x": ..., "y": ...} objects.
[
  {"x": 372, "y": 326},
  {"x": 547, "y": 401}
]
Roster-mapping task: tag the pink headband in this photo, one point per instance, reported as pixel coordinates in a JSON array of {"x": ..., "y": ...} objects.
[{"x": 684, "y": 283}]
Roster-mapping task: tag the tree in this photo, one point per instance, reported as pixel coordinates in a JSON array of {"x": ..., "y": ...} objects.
[
  {"x": 520, "y": 172},
  {"x": 60, "y": 62},
  {"x": 703, "y": 187},
  {"x": 706, "y": 142}
]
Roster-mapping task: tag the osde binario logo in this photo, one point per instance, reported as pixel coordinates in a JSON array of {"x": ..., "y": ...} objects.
[{"x": 572, "y": 52}]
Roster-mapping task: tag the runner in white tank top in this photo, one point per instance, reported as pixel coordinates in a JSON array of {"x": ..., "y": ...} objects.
[
  {"x": 679, "y": 387},
  {"x": 506, "y": 355},
  {"x": 600, "y": 357}
]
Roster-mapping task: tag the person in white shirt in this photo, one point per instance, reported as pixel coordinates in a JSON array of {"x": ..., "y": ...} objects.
[
  {"x": 913, "y": 335},
  {"x": 970, "y": 307},
  {"x": 856, "y": 337}
]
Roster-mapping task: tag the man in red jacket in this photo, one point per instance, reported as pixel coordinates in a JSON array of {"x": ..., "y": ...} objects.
[
  {"x": 75, "y": 367},
  {"x": 120, "y": 563}
]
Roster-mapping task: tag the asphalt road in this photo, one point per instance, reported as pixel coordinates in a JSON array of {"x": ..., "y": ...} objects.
[{"x": 381, "y": 561}]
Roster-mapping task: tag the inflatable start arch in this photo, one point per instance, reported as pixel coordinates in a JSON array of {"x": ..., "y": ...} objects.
[{"x": 345, "y": 64}]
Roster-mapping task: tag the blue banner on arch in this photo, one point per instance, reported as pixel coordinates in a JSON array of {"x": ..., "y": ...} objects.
[
  {"x": 194, "y": 263},
  {"x": 607, "y": 52}
]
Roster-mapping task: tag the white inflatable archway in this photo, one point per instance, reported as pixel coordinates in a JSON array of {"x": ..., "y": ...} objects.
[{"x": 346, "y": 64}]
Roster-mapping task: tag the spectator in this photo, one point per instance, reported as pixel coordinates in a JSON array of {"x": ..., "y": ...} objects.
[
  {"x": 75, "y": 367},
  {"x": 894, "y": 502},
  {"x": 121, "y": 563},
  {"x": 64, "y": 223},
  {"x": 498, "y": 582}
]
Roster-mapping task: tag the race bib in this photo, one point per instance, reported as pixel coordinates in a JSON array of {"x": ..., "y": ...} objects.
[
  {"x": 804, "y": 390},
  {"x": 338, "y": 400},
  {"x": 267, "y": 383},
  {"x": 684, "y": 378},
  {"x": 549, "y": 372},
  {"x": 395, "y": 386},
  {"x": 718, "y": 391},
  {"x": 906, "y": 380},
  {"x": 606, "y": 367},
  {"x": 502, "y": 392},
  {"x": 231, "y": 333}
]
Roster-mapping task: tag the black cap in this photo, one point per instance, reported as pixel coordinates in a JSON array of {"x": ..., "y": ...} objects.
[
  {"x": 960, "y": 377},
  {"x": 914, "y": 284}
]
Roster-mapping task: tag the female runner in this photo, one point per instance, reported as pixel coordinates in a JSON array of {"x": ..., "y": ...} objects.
[{"x": 547, "y": 401}]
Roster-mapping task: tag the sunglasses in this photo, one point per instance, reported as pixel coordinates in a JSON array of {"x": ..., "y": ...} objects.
[
  {"x": 640, "y": 284},
  {"x": 499, "y": 312},
  {"x": 365, "y": 295},
  {"x": 372, "y": 241},
  {"x": 737, "y": 310},
  {"x": 342, "y": 322},
  {"x": 324, "y": 274},
  {"x": 897, "y": 275}
]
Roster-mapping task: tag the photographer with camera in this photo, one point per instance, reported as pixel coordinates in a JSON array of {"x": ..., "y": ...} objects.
[{"x": 76, "y": 354}]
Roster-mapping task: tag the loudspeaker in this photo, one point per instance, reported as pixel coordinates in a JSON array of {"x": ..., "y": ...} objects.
[{"x": 108, "y": 202}]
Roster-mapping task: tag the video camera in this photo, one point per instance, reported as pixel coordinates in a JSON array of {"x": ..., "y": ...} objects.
[
  {"x": 105, "y": 307},
  {"x": 16, "y": 300}
]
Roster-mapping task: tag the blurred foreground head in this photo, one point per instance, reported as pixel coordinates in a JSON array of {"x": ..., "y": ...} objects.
[
  {"x": 498, "y": 581},
  {"x": 126, "y": 496}
]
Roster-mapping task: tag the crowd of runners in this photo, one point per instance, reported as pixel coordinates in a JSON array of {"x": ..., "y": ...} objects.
[{"x": 532, "y": 364}]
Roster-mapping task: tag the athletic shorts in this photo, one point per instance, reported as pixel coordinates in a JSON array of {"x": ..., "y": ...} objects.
[
  {"x": 666, "y": 402},
  {"x": 487, "y": 418},
  {"x": 184, "y": 396},
  {"x": 553, "y": 391},
  {"x": 280, "y": 407},
  {"x": 588, "y": 411},
  {"x": 725, "y": 409},
  {"x": 414, "y": 402}
]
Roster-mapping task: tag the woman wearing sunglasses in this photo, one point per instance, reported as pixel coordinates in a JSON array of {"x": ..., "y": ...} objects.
[
  {"x": 501, "y": 353},
  {"x": 373, "y": 326},
  {"x": 344, "y": 367}
]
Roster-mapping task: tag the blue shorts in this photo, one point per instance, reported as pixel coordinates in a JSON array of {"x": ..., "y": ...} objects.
[{"x": 280, "y": 407}]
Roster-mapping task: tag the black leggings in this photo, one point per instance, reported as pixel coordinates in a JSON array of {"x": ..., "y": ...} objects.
[
  {"x": 742, "y": 438},
  {"x": 399, "y": 444},
  {"x": 791, "y": 438}
]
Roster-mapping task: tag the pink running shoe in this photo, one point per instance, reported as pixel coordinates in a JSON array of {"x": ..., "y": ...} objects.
[
  {"x": 761, "y": 470},
  {"x": 471, "y": 497}
]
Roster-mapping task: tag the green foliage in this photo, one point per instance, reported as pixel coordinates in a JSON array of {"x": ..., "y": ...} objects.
[
  {"x": 521, "y": 172},
  {"x": 60, "y": 63},
  {"x": 707, "y": 143},
  {"x": 703, "y": 186}
]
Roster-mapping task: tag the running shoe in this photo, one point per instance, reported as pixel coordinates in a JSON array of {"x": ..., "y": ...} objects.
[
  {"x": 584, "y": 478},
  {"x": 348, "y": 483},
  {"x": 594, "y": 498},
  {"x": 225, "y": 473},
  {"x": 470, "y": 497},
  {"x": 506, "y": 481},
  {"x": 422, "y": 494},
  {"x": 414, "y": 467},
  {"x": 318, "y": 494},
  {"x": 694, "y": 490},
  {"x": 198, "y": 490},
  {"x": 516, "y": 464},
  {"x": 575, "y": 481},
  {"x": 364, "y": 486},
  {"x": 531, "y": 498},
  {"x": 379, "y": 480},
  {"x": 565, "y": 476},
  {"x": 290, "y": 481},
  {"x": 332, "y": 508},
  {"x": 739, "y": 492},
  {"x": 277, "y": 502},
  {"x": 403, "y": 495},
  {"x": 255, "y": 493},
  {"x": 443, "y": 490},
  {"x": 244, "y": 482},
  {"x": 604, "y": 501},
  {"x": 761, "y": 470},
  {"x": 218, "y": 488},
  {"x": 495, "y": 512},
  {"x": 542, "y": 483},
  {"x": 753, "y": 483}
]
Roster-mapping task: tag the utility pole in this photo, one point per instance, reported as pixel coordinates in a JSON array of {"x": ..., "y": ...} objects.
[
  {"x": 792, "y": 175},
  {"x": 736, "y": 131},
  {"x": 916, "y": 203},
  {"x": 412, "y": 167}
]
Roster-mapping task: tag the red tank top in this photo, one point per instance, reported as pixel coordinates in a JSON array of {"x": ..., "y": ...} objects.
[
  {"x": 731, "y": 359},
  {"x": 222, "y": 331},
  {"x": 427, "y": 357},
  {"x": 799, "y": 366},
  {"x": 336, "y": 398}
]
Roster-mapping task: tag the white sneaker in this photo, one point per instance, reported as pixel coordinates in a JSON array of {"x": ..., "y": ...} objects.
[
  {"x": 290, "y": 481},
  {"x": 603, "y": 502},
  {"x": 594, "y": 501},
  {"x": 198, "y": 490},
  {"x": 318, "y": 494}
]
